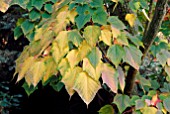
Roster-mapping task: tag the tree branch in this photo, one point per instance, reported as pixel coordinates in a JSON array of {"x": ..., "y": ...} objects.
[{"x": 147, "y": 40}]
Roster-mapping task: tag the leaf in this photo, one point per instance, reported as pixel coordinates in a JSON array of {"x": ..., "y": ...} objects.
[
  {"x": 26, "y": 65},
  {"x": 116, "y": 23},
  {"x": 75, "y": 37},
  {"x": 51, "y": 69},
  {"x": 71, "y": 15},
  {"x": 122, "y": 39},
  {"x": 107, "y": 109},
  {"x": 69, "y": 79},
  {"x": 163, "y": 56},
  {"x": 140, "y": 104},
  {"x": 86, "y": 87},
  {"x": 166, "y": 103},
  {"x": 115, "y": 32},
  {"x": 121, "y": 77},
  {"x": 63, "y": 66},
  {"x": 38, "y": 4},
  {"x": 36, "y": 72},
  {"x": 81, "y": 20},
  {"x": 17, "y": 32},
  {"x": 110, "y": 77},
  {"x": 115, "y": 54},
  {"x": 48, "y": 8},
  {"x": 29, "y": 89},
  {"x": 21, "y": 3},
  {"x": 149, "y": 110},
  {"x": 167, "y": 70},
  {"x": 106, "y": 37},
  {"x": 91, "y": 71},
  {"x": 4, "y": 5},
  {"x": 96, "y": 3},
  {"x": 115, "y": 1},
  {"x": 133, "y": 56},
  {"x": 83, "y": 50},
  {"x": 34, "y": 15},
  {"x": 122, "y": 102},
  {"x": 131, "y": 19},
  {"x": 100, "y": 16},
  {"x": 94, "y": 57},
  {"x": 60, "y": 46},
  {"x": 91, "y": 34},
  {"x": 27, "y": 27},
  {"x": 73, "y": 58}
]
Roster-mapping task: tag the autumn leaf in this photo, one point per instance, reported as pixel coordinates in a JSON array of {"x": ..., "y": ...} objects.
[
  {"x": 121, "y": 77},
  {"x": 106, "y": 36},
  {"x": 131, "y": 19},
  {"x": 4, "y": 5},
  {"x": 110, "y": 77},
  {"x": 86, "y": 87},
  {"x": 91, "y": 34},
  {"x": 115, "y": 1},
  {"x": 69, "y": 79},
  {"x": 73, "y": 58}
]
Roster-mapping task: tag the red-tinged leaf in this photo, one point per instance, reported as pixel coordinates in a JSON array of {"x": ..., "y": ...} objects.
[
  {"x": 155, "y": 100},
  {"x": 110, "y": 77},
  {"x": 121, "y": 77},
  {"x": 4, "y": 5}
]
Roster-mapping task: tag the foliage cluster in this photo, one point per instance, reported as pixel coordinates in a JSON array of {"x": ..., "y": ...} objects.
[{"x": 81, "y": 41}]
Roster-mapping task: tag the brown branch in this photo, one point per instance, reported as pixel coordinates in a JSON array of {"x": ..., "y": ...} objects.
[{"x": 147, "y": 40}]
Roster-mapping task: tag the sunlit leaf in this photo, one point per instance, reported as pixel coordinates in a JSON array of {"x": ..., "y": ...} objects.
[
  {"x": 131, "y": 19},
  {"x": 110, "y": 77},
  {"x": 21, "y": 3},
  {"x": 69, "y": 79},
  {"x": 73, "y": 58},
  {"x": 63, "y": 66},
  {"x": 106, "y": 36},
  {"x": 75, "y": 37},
  {"x": 4, "y": 5},
  {"x": 86, "y": 87},
  {"x": 27, "y": 64},
  {"x": 91, "y": 34},
  {"x": 149, "y": 110},
  {"x": 122, "y": 102}
]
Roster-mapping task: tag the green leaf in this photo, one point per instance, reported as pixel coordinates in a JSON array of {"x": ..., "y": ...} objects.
[
  {"x": 96, "y": 3},
  {"x": 122, "y": 102},
  {"x": 166, "y": 104},
  {"x": 133, "y": 56},
  {"x": 57, "y": 87},
  {"x": 133, "y": 100},
  {"x": 34, "y": 15},
  {"x": 122, "y": 38},
  {"x": 139, "y": 104},
  {"x": 46, "y": 15},
  {"x": 48, "y": 8},
  {"x": 27, "y": 27},
  {"x": 91, "y": 34},
  {"x": 107, "y": 109},
  {"x": 75, "y": 37},
  {"x": 144, "y": 4},
  {"x": 17, "y": 32},
  {"x": 86, "y": 87},
  {"x": 38, "y": 4},
  {"x": 81, "y": 20},
  {"x": 116, "y": 23},
  {"x": 163, "y": 57},
  {"x": 83, "y": 9},
  {"x": 29, "y": 89},
  {"x": 115, "y": 54},
  {"x": 95, "y": 57},
  {"x": 100, "y": 16}
]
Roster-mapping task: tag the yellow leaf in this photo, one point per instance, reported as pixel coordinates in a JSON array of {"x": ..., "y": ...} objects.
[
  {"x": 116, "y": 32},
  {"x": 72, "y": 57},
  {"x": 4, "y": 5},
  {"x": 63, "y": 66},
  {"x": 51, "y": 69},
  {"x": 27, "y": 64},
  {"x": 106, "y": 37},
  {"x": 71, "y": 15},
  {"x": 86, "y": 87},
  {"x": 83, "y": 50},
  {"x": 69, "y": 79},
  {"x": 36, "y": 72},
  {"x": 94, "y": 73},
  {"x": 131, "y": 19}
]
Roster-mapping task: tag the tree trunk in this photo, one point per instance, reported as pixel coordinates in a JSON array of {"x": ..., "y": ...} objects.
[{"x": 147, "y": 40}]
